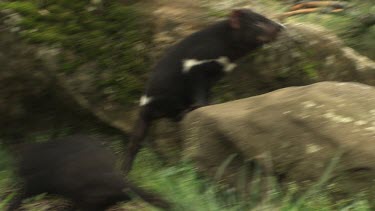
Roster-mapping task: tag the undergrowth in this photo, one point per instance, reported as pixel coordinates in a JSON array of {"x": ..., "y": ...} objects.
[{"x": 189, "y": 191}]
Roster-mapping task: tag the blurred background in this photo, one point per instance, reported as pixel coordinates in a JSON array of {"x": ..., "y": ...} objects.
[{"x": 80, "y": 66}]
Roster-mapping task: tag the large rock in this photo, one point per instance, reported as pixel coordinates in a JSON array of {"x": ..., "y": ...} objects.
[
  {"x": 293, "y": 133},
  {"x": 302, "y": 55}
]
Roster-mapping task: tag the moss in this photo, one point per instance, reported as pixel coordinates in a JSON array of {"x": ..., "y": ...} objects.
[
  {"x": 49, "y": 35},
  {"x": 106, "y": 36},
  {"x": 310, "y": 70},
  {"x": 68, "y": 66},
  {"x": 22, "y": 7}
]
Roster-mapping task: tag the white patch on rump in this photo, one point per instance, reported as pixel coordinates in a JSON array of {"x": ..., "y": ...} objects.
[
  {"x": 144, "y": 100},
  {"x": 228, "y": 66}
]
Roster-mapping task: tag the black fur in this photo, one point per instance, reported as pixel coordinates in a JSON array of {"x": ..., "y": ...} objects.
[
  {"x": 174, "y": 92},
  {"x": 78, "y": 168}
]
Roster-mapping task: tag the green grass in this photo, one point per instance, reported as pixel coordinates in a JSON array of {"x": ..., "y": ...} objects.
[
  {"x": 189, "y": 191},
  {"x": 5, "y": 177}
]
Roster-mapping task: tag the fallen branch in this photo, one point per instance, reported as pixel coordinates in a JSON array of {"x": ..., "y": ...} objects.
[
  {"x": 315, "y": 4},
  {"x": 306, "y": 11}
]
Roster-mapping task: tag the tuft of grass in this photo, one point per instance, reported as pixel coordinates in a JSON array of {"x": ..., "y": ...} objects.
[{"x": 189, "y": 191}]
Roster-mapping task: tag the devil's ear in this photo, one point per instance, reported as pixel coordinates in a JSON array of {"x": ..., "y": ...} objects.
[{"x": 234, "y": 19}]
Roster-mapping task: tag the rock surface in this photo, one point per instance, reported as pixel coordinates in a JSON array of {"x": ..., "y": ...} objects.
[
  {"x": 292, "y": 133},
  {"x": 302, "y": 55}
]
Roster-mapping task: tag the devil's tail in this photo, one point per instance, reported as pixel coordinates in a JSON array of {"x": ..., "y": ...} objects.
[
  {"x": 148, "y": 196},
  {"x": 138, "y": 135}
]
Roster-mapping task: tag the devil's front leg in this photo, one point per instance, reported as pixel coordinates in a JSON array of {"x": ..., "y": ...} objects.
[
  {"x": 200, "y": 87},
  {"x": 198, "y": 95},
  {"x": 201, "y": 79},
  {"x": 201, "y": 98}
]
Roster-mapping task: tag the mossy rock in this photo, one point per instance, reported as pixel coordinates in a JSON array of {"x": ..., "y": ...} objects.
[{"x": 109, "y": 34}]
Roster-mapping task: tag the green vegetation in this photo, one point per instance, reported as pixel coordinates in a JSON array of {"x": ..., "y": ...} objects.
[
  {"x": 347, "y": 25},
  {"x": 5, "y": 177},
  {"x": 112, "y": 35},
  {"x": 190, "y": 192}
]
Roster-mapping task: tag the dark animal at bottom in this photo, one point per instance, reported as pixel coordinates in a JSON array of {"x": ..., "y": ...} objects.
[
  {"x": 182, "y": 79},
  {"x": 78, "y": 168}
]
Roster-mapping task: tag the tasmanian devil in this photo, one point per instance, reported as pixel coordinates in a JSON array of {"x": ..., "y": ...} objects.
[
  {"x": 78, "y": 168},
  {"x": 181, "y": 80}
]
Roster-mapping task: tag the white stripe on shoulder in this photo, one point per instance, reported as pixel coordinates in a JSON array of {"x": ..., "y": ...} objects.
[
  {"x": 144, "y": 100},
  {"x": 190, "y": 63},
  {"x": 228, "y": 66}
]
